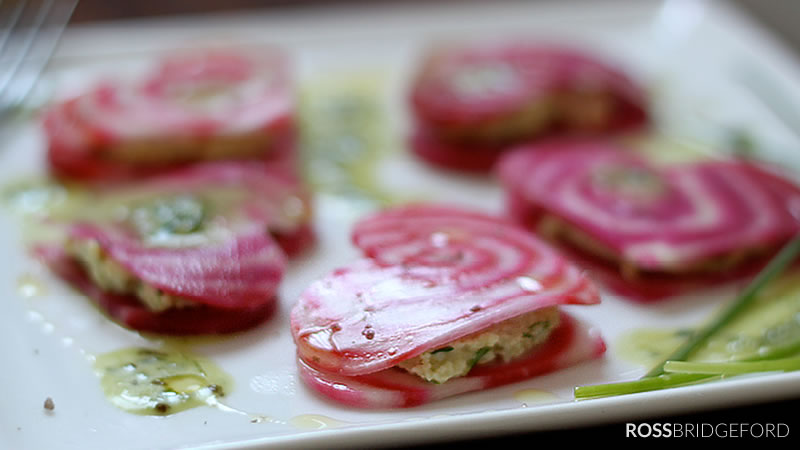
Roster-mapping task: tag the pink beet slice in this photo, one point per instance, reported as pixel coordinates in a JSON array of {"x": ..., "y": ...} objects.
[
  {"x": 238, "y": 271},
  {"x": 432, "y": 275},
  {"x": 129, "y": 312},
  {"x": 230, "y": 264},
  {"x": 270, "y": 193},
  {"x": 571, "y": 343},
  {"x": 469, "y": 85},
  {"x": 470, "y": 250},
  {"x": 664, "y": 220},
  {"x": 472, "y": 103},
  {"x": 448, "y": 155},
  {"x": 169, "y": 109}
]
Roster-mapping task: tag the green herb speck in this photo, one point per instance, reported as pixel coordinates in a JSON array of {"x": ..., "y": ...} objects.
[{"x": 478, "y": 355}]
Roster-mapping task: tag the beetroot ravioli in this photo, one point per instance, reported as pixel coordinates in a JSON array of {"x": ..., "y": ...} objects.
[
  {"x": 471, "y": 102},
  {"x": 197, "y": 251},
  {"x": 198, "y": 106},
  {"x": 445, "y": 302},
  {"x": 649, "y": 231}
]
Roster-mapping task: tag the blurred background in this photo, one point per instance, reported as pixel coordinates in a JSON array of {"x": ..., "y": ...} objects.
[{"x": 780, "y": 16}]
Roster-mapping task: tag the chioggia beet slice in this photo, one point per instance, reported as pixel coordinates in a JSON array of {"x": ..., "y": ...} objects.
[
  {"x": 652, "y": 228},
  {"x": 454, "y": 156},
  {"x": 437, "y": 281},
  {"x": 194, "y": 251},
  {"x": 471, "y": 102},
  {"x": 270, "y": 193},
  {"x": 196, "y": 106},
  {"x": 572, "y": 343},
  {"x": 255, "y": 303}
]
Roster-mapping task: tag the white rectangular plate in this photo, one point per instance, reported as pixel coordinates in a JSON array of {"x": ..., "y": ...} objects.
[{"x": 693, "y": 57}]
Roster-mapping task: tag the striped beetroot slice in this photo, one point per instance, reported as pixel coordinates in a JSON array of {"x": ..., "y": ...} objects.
[
  {"x": 164, "y": 109},
  {"x": 128, "y": 311},
  {"x": 660, "y": 219},
  {"x": 432, "y": 275},
  {"x": 232, "y": 267},
  {"x": 571, "y": 343}
]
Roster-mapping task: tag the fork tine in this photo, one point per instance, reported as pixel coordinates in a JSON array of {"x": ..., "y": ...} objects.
[
  {"x": 43, "y": 48},
  {"x": 30, "y": 36},
  {"x": 32, "y": 55},
  {"x": 12, "y": 22}
]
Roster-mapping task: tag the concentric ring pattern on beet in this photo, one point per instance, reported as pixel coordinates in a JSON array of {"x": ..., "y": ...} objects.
[{"x": 433, "y": 275}]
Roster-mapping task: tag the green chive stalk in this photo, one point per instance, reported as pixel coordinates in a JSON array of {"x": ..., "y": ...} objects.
[
  {"x": 733, "y": 368},
  {"x": 684, "y": 373},
  {"x": 775, "y": 267}
]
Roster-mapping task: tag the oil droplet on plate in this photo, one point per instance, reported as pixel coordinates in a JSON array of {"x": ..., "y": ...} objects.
[
  {"x": 315, "y": 422},
  {"x": 37, "y": 318},
  {"x": 534, "y": 396},
  {"x": 29, "y": 286},
  {"x": 258, "y": 418}
]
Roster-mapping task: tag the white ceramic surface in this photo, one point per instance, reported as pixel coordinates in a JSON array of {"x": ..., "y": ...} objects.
[{"x": 690, "y": 56}]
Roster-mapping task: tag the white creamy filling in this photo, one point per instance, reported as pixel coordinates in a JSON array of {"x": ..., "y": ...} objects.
[
  {"x": 147, "y": 150},
  {"x": 506, "y": 340},
  {"x": 111, "y": 276},
  {"x": 556, "y": 229},
  {"x": 583, "y": 111}
]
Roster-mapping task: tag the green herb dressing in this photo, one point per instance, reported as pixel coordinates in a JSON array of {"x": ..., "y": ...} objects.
[
  {"x": 768, "y": 327},
  {"x": 182, "y": 214},
  {"x": 534, "y": 396},
  {"x": 37, "y": 196},
  {"x": 160, "y": 382},
  {"x": 41, "y": 204},
  {"x": 30, "y": 286},
  {"x": 344, "y": 132},
  {"x": 666, "y": 150},
  {"x": 160, "y": 218},
  {"x": 646, "y": 347},
  {"x": 315, "y": 422}
]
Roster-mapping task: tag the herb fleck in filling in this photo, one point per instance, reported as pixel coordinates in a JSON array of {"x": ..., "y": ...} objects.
[{"x": 503, "y": 341}]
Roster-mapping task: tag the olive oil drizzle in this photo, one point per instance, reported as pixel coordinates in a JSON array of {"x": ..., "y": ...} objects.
[
  {"x": 344, "y": 130},
  {"x": 159, "y": 382},
  {"x": 767, "y": 328}
]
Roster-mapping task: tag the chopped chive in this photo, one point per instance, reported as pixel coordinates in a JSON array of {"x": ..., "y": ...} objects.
[
  {"x": 643, "y": 385},
  {"x": 442, "y": 350},
  {"x": 540, "y": 324},
  {"x": 733, "y": 368},
  {"x": 657, "y": 378},
  {"x": 775, "y": 267},
  {"x": 478, "y": 355}
]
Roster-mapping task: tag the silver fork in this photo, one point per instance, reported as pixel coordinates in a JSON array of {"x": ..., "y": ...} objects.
[{"x": 29, "y": 33}]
